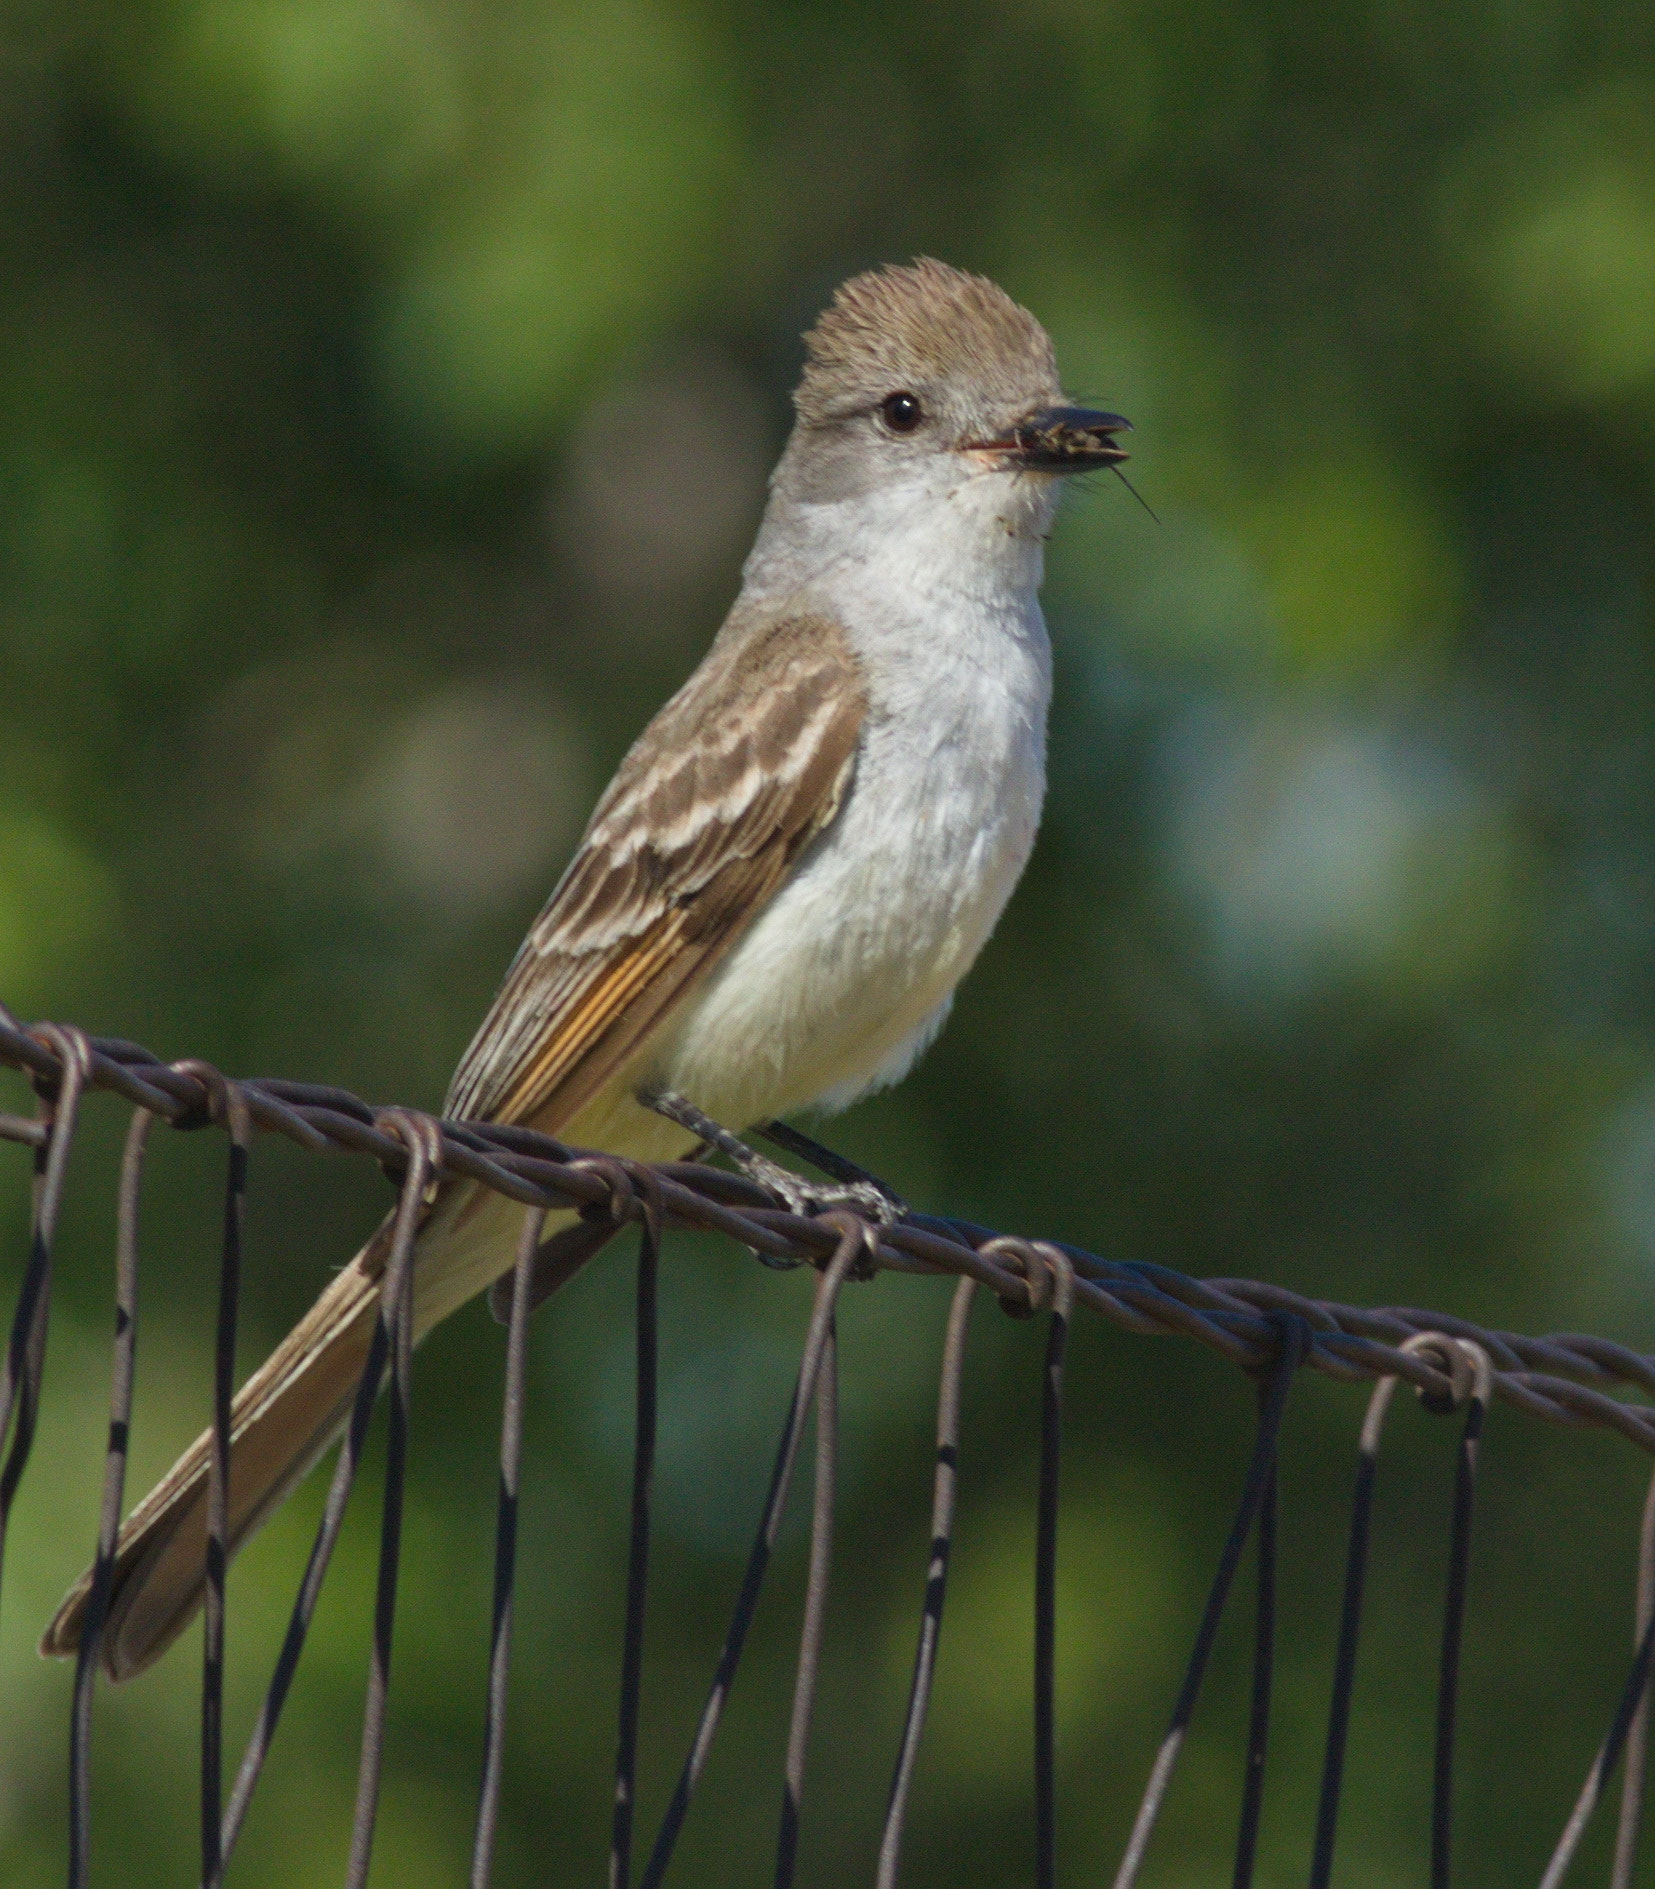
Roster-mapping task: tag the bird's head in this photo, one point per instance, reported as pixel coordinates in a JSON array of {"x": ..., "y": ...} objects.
[{"x": 925, "y": 375}]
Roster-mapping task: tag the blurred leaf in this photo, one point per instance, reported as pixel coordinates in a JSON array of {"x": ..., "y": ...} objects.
[
  {"x": 1557, "y": 215},
  {"x": 585, "y": 216},
  {"x": 57, "y": 908}
]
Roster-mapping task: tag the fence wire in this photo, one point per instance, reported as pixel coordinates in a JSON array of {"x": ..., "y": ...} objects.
[{"x": 1267, "y": 1331}]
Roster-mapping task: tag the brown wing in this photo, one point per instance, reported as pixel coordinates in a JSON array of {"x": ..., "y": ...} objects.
[{"x": 699, "y": 828}]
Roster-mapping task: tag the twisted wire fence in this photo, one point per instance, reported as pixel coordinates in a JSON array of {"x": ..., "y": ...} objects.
[{"x": 1568, "y": 1379}]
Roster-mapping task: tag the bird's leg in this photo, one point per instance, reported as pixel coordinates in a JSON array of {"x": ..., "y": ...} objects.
[
  {"x": 807, "y": 1148},
  {"x": 853, "y": 1188}
]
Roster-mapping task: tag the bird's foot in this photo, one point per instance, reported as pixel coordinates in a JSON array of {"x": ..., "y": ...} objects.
[
  {"x": 860, "y": 1189},
  {"x": 850, "y": 1187},
  {"x": 809, "y": 1198}
]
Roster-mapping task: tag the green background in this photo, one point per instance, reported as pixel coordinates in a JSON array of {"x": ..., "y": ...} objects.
[{"x": 386, "y": 393}]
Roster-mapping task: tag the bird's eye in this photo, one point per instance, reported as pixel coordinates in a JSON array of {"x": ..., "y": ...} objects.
[{"x": 901, "y": 412}]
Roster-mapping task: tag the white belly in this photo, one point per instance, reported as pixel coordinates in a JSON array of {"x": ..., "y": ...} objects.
[{"x": 845, "y": 976}]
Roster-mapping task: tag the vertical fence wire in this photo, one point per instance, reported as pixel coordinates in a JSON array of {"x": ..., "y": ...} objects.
[
  {"x": 1469, "y": 1369},
  {"x": 122, "y": 1369},
  {"x": 505, "y": 1550},
  {"x": 1294, "y": 1337},
  {"x": 1632, "y": 1701},
  {"x": 424, "y": 1142},
  {"x": 815, "y": 1610},
  {"x": 944, "y": 1487},
  {"x": 1264, "y": 1660},
  {"x": 1350, "y": 1634},
  {"x": 392, "y": 1287},
  {"x": 1603, "y": 1766},
  {"x": 1453, "y": 1620},
  {"x": 830, "y": 1280},
  {"x": 816, "y": 1389},
  {"x": 1630, "y": 1821},
  {"x": 1045, "y": 1569},
  {"x": 26, "y": 1347},
  {"x": 646, "y": 1374},
  {"x": 218, "y": 1487}
]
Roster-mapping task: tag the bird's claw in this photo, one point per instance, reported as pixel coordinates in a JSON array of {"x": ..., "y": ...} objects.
[
  {"x": 810, "y": 1198},
  {"x": 864, "y": 1196}
]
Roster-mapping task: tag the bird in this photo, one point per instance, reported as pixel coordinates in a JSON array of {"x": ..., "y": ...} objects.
[{"x": 785, "y": 881}]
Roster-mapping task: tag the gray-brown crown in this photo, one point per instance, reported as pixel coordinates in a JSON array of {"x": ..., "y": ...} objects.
[{"x": 914, "y": 327}]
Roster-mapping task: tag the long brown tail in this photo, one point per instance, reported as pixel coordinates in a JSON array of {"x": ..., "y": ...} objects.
[{"x": 283, "y": 1420}]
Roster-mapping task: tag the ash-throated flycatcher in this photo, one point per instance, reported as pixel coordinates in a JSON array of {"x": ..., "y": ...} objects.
[{"x": 794, "y": 867}]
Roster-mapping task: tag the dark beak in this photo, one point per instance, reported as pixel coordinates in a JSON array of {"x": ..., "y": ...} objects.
[{"x": 1060, "y": 439}]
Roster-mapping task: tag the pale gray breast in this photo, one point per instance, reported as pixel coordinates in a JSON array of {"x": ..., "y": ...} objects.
[{"x": 891, "y": 905}]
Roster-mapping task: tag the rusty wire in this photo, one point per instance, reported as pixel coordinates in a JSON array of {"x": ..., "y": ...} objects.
[
  {"x": 944, "y": 1487},
  {"x": 811, "y": 1628},
  {"x": 646, "y": 1325},
  {"x": 1628, "y": 1824},
  {"x": 1062, "y": 1301},
  {"x": 1267, "y": 1330},
  {"x": 1261, "y": 1475},
  {"x": 114, "y": 1486},
  {"x": 1467, "y": 1366},
  {"x": 229, "y": 1106},
  {"x": 1553, "y": 1377},
  {"x": 851, "y": 1242},
  {"x": 1264, "y": 1649},
  {"x": 505, "y": 1549},
  {"x": 1634, "y": 1696},
  {"x": 395, "y": 1299},
  {"x": 1473, "y": 1397},
  {"x": 51, "y": 1137},
  {"x": 396, "y": 1314}
]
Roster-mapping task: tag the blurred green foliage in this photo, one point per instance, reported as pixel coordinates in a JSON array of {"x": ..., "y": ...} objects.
[{"x": 386, "y": 391}]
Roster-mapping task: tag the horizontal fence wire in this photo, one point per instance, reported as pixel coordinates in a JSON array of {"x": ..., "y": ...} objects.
[
  {"x": 1559, "y": 1378},
  {"x": 1267, "y": 1331}
]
